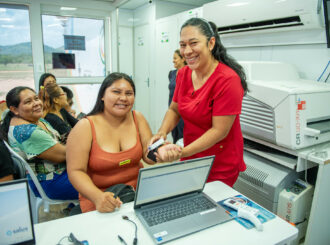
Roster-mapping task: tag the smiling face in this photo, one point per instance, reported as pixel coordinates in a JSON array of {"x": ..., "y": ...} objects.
[
  {"x": 118, "y": 98},
  {"x": 195, "y": 48},
  {"x": 30, "y": 106},
  {"x": 178, "y": 61}
]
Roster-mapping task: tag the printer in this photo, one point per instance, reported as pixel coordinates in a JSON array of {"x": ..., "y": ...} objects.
[{"x": 284, "y": 109}]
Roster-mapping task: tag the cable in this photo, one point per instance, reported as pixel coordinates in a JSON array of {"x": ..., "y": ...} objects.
[
  {"x": 326, "y": 80},
  {"x": 298, "y": 223},
  {"x": 307, "y": 156},
  {"x": 59, "y": 242},
  {"x": 135, "y": 238},
  {"x": 323, "y": 71}
]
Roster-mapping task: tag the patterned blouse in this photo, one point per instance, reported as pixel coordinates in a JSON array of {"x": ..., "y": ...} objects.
[{"x": 30, "y": 140}]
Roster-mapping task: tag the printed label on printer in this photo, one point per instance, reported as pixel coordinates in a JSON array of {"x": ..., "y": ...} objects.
[{"x": 301, "y": 104}]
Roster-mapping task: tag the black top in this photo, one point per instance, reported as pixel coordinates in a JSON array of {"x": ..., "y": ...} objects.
[
  {"x": 171, "y": 86},
  {"x": 6, "y": 162},
  {"x": 61, "y": 126},
  {"x": 177, "y": 132}
]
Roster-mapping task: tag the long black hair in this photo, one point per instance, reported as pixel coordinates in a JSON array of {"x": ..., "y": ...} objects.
[
  {"x": 219, "y": 52},
  {"x": 43, "y": 78},
  {"x": 107, "y": 82},
  {"x": 12, "y": 99}
]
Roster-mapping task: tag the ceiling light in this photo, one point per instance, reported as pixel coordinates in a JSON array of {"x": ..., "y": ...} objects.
[
  {"x": 6, "y": 19},
  {"x": 68, "y": 8},
  {"x": 237, "y": 4},
  {"x": 7, "y": 26}
]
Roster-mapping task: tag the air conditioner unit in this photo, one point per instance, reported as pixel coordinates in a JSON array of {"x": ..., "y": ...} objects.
[{"x": 264, "y": 15}]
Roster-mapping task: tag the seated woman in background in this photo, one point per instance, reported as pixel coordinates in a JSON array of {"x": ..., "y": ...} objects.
[
  {"x": 69, "y": 96},
  {"x": 36, "y": 141},
  {"x": 106, "y": 148},
  {"x": 45, "y": 79},
  {"x": 55, "y": 102},
  {"x": 6, "y": 162}
]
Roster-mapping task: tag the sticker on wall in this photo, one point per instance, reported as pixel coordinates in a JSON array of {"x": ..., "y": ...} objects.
[
  {"x": 164, "y": 37},
  {"x": 140, "y": 41},
  {"x": 192, "y": 14}
]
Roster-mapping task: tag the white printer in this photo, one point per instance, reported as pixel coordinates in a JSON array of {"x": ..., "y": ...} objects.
[{"x": 283, "y": 109}]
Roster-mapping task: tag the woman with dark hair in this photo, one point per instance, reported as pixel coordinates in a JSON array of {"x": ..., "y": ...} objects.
[
  {"x": 106, "y": 147},
  {"x": 179, "y": 62},
  {"x": 45, "y": 79},
  {"x": 208, "y": 96},
  {"x": 35, "y": 140},
  {"x": 54, "y": 109}
]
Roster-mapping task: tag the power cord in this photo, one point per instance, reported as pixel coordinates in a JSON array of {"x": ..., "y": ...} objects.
[
  {"x": 306, "y": 162},
  {"x": 135, "y": 238},
  {"x": 71, "y": 238}
]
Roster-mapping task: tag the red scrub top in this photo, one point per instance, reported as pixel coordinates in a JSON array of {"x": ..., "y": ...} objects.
[{"x": 220, "y": 95}]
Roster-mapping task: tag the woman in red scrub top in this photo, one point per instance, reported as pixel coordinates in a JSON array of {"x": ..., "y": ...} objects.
[{"x": 208, "y": 97}]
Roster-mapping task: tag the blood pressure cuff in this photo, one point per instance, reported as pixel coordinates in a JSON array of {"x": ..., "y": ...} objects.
[{"x": 126, "y": 193}]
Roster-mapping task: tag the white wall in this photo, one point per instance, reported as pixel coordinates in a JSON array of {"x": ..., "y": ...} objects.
[
  {"x": 167, "y": 41},
  {"x": 310, "y": 60},
  {"x": 164, "y": 9},
  {"x": 305, "y": 49}
]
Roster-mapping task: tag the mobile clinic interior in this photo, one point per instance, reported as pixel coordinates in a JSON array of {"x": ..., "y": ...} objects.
[{"x": 283, "y": 45}]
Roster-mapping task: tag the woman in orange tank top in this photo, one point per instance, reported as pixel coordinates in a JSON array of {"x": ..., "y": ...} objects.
[{"x": 106, "y": 148}]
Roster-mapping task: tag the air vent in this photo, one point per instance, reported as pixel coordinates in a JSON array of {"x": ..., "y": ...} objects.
[
  {"x": 257, "y": 115},
  {"x": 254, "y": 176},
  {"x": 262, "y": 25}
]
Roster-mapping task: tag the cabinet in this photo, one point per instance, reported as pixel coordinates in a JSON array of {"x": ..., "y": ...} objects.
[{"x": 300, "y": 160}]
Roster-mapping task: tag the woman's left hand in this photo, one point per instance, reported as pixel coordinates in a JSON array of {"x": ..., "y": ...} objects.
[{"x": 168, "y": 153}]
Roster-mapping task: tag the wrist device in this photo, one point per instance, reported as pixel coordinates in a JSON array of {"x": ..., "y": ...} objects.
[
  {"x": 153, "y": 148},
  {"x": 245, "y": 211}
]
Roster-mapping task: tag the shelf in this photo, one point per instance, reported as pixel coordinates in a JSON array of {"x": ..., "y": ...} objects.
[
  {"x": 274, "y": 157},
  {"x": 298, "y": 160}
]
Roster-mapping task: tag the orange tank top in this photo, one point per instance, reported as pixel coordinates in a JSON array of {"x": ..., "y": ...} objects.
[{"x": 107, "y": 169}]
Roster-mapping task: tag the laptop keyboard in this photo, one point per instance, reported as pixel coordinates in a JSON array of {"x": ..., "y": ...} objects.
[{"x": 177, "y": 210}]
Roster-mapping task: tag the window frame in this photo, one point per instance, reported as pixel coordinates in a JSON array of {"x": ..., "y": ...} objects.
[{"x": 55, "y": 10}]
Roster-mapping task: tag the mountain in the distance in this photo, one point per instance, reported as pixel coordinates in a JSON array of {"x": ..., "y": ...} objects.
[{"x": 23, "y": 48}]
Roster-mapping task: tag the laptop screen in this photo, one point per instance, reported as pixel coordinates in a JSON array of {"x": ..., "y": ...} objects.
[
  {"x": 164, "y": 181},
  {"x": 15, "y": 214}
]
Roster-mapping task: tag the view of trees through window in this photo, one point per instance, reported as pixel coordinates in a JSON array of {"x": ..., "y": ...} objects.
[{"x": 16, "y": 67}]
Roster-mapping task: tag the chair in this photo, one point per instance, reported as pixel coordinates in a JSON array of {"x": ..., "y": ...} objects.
[{"x": 22, "y": 168}]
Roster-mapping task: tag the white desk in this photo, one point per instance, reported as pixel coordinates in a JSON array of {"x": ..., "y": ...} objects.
[{"x": 100, "y": 228}]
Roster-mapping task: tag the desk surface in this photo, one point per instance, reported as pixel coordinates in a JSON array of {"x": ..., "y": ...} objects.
[{"x": 103, "y": 228}]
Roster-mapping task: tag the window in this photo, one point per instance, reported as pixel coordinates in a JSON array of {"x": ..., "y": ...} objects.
[
  {"x": 84, "y": 96},
  {"x": 73, "y": 47},
  {"x": 15, "y": 48}
]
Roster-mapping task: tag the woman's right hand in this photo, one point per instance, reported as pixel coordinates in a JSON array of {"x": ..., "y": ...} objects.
[
  {"x": 157, "y": 137},
  {"x": 107, "y": 203},
  {"x": 168, "y": 153}
]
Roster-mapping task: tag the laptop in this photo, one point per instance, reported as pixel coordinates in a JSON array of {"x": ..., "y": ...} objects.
[
  {"x": 16, "y": 226},
  {"x": 170, "y": 202}
]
